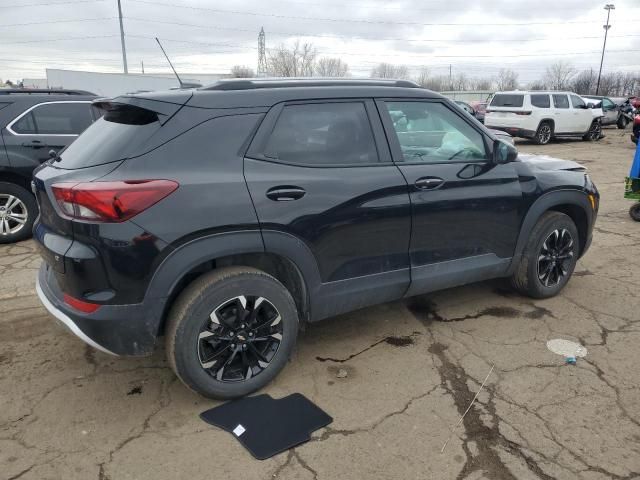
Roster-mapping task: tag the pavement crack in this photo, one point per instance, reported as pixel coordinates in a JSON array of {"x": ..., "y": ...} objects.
[
  {"x": 397, "y": 341},
  {"x": 305, "y": 465},
  {"x": 20, "y": 474}
]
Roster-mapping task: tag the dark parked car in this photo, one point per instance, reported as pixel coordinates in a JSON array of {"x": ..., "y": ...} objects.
[
  {"x": 33, "y": 125},
  {"x": 225, "y": 217}
]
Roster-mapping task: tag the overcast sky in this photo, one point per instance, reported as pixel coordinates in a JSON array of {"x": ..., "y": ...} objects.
[{"x": 207, "y": 36}]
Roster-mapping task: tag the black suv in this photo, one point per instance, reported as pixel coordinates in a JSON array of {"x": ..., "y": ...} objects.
[
  {"x": 224, "y": 217},
  {"x": 34, "y": 125}
]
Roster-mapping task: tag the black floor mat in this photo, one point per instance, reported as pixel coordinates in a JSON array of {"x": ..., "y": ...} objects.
[{"x": 266, "y": 426}]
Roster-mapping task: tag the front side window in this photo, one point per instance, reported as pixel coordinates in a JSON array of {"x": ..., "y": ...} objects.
[
  {"x": 317, "y": 134},
  {"x": 607, "y": 104},
  {"x": 577, "y": 102},
  {"x": 55, "y": 119},
  {"x": 429, "y": 132},
  {"x": 560, "y": 101},
  {"x": 540, "y": 100}
]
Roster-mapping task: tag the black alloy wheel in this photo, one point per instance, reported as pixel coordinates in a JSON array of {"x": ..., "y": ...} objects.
[
  {"x": 555, "y": 257},
  {"x": 240, "y": 338}
]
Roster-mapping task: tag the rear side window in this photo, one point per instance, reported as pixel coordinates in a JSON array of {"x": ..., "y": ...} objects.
[
  {"x": 507, "y": 100},
  {"x": 577, "y": 102},
  {"x": 323, "y": 134},
  {"x": 55, "y": 119},
  {"x": 111, "y": 138},
  {"x": 560, "y": 101},
  {"x": 540, "y": 101}
]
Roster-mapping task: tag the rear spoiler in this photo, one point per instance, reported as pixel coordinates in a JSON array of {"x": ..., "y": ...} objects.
[{"x": 165, "y": 105}]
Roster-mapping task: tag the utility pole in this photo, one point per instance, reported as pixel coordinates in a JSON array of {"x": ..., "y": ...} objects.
[
  {"x": 450, "y": 78},
  {"x": 262, "y": 56},
  {"x": 608, "y": 7},
  {"x": 142, "y": 65},
  {"x": 124, "y": 48}
]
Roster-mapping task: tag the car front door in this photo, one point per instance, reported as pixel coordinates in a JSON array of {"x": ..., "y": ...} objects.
[
  {"x": 562, "y": 115},
  {"x": 582, "y": 115},
  {"x": 320, "y": 173},
  {"x": 610, "y": 110},
  {"x": 44, "y": 127},
  {"x": 466, "y": 209}
]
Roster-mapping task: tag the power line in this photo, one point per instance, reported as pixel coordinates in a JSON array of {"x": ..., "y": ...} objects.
[
  {"x": 58, "y": 39},
  {"x": 56, "y": 21},
  {"x": 374, "y": 38},
  {"x": 352, "y": 20},
  {"x": 50, "y": 3}
]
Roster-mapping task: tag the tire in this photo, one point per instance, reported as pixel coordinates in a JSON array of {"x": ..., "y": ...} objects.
[
  {"x": 191, "y": 334},
  {"x": 595, "y": 132},
  {"x": 527, "y": 278},
  {"x": 16, "y": 222},
  {"x": 544, "y": 134},
  {"x": 622, "y": 122},
  {"x": 634, "y": 212}
]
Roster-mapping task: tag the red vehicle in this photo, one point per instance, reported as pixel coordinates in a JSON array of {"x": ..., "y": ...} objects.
[{"x": 636, "y": 129}]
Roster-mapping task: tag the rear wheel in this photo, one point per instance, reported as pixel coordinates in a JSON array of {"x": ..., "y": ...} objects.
[
  {"x": 549, "y": 257},
  {"x": 18, "y": 210},
  {"x": 544, "y": 133},
  {"x": 231, "y": 332},
  {"x": 634, "y": 212}
]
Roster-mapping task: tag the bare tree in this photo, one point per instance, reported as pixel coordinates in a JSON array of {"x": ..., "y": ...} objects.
[
  {"x": 423, "y": 78},
  {"x": 388, "y": 70},
  {"x": 506, "y": 79},
  {"x": 242, "y": 71},
  {"x": 537, "y": 85},
  {"x": 437, "y": 84},
  {"x": 297, "y": 61},
  {"x": 558, "y": 75},
  {"x": 486, "y": 84},
  {"x": 331, "y": 67},
  {"x": 584, "y": 82},
  {"x": 460, "y": 82}
]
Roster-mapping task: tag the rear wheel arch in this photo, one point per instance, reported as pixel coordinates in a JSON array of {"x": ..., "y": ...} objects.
[
  {"x": 202, "y": 256},
  {"x": 20, "y": 180}
]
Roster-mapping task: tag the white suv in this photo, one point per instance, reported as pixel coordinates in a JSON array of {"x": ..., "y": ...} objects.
[{"x": 542, "y": 116}]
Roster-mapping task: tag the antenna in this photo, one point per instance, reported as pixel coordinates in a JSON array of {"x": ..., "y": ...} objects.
[{"x": 182, "y": 85}]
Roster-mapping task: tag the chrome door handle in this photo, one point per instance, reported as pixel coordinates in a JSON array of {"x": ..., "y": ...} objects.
[
  {"x": 285, "y": 193},
  {"x": 428, "y": 183}
]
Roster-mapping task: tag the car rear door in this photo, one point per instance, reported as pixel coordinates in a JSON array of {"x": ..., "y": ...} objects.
[
  {"x": 563, "y": 119},
  {"x": 44, "y": 127},
  {"x": 320, "y": 172},
  {"x": 466, "y": 209}
]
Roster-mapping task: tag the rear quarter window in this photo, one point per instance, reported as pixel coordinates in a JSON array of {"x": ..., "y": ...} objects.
[{"x": 507, "y": 100}]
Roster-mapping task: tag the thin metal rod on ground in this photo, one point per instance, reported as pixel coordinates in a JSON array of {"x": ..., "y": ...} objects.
[{"x": 467, "y": 410}]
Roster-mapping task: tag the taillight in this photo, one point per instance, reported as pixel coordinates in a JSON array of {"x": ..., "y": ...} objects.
[
  {"x": 80, "y": 305},
  {"x": 522, "y": 113},
  {"x": 110, "y": 201}
]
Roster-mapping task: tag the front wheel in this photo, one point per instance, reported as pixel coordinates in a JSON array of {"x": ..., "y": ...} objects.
[
  {"x": 549, "y": 257},
  {"x": 594, "y": 133},
  {"x": 231, "y": 332},
  {"x": 634, "y": 212},
  {"x": 18, "y": 210}
]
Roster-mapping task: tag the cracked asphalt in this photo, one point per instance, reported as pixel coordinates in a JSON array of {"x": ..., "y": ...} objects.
[{"x": 412, "y": 368}]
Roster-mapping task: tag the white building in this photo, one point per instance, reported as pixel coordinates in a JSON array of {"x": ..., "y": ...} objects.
[{"x": 113, "y": 84}]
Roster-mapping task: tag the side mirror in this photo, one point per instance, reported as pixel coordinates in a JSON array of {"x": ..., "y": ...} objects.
[{"x": 504, "y": 152}]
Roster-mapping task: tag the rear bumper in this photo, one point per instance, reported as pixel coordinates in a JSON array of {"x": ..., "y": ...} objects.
[
  {"x": 516, "y": 132},
  {"x": 113, "y": 329}
]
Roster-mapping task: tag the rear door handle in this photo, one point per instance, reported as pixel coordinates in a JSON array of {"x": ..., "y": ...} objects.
[
  {"x": 285, "y": 193},
  {"x": 34, "y": 144},
  {"x": 429, "y": 183}
]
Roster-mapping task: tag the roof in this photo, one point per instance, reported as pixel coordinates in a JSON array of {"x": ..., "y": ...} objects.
[
  {"x": 42, "y": 91},
  {"x": 255, "y": 83},
  {"x": 527, "y": 92}
]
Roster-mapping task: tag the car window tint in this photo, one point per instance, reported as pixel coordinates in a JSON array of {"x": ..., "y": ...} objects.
[
  {"x": 560, "y": 101},
  {"x": 607, "y": 103},
  {"x": 25, "y": 125},
  {"x": 430, "y": 132},
  {"x": 323, "y": 134},
  {"x": 577, "y": 102},
  {"x": 507, "y": 100},
  {"x": 62, "y": 118},
  {"x": 540, "y": 100}
]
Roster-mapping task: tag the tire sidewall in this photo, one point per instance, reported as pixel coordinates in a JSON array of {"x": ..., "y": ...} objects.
[
  {"x": 197, "y": 313},
  {"x": 32, "y": 211},
  {"x": 537, "y": 137},
  {"x": 634, "y": 212},
  {"x": 538, "y": 289}
]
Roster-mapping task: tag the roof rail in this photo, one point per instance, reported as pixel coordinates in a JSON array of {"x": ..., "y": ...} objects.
[
  {"x": 256, "y": 83},
  {"x": 42, "y": 91}
]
